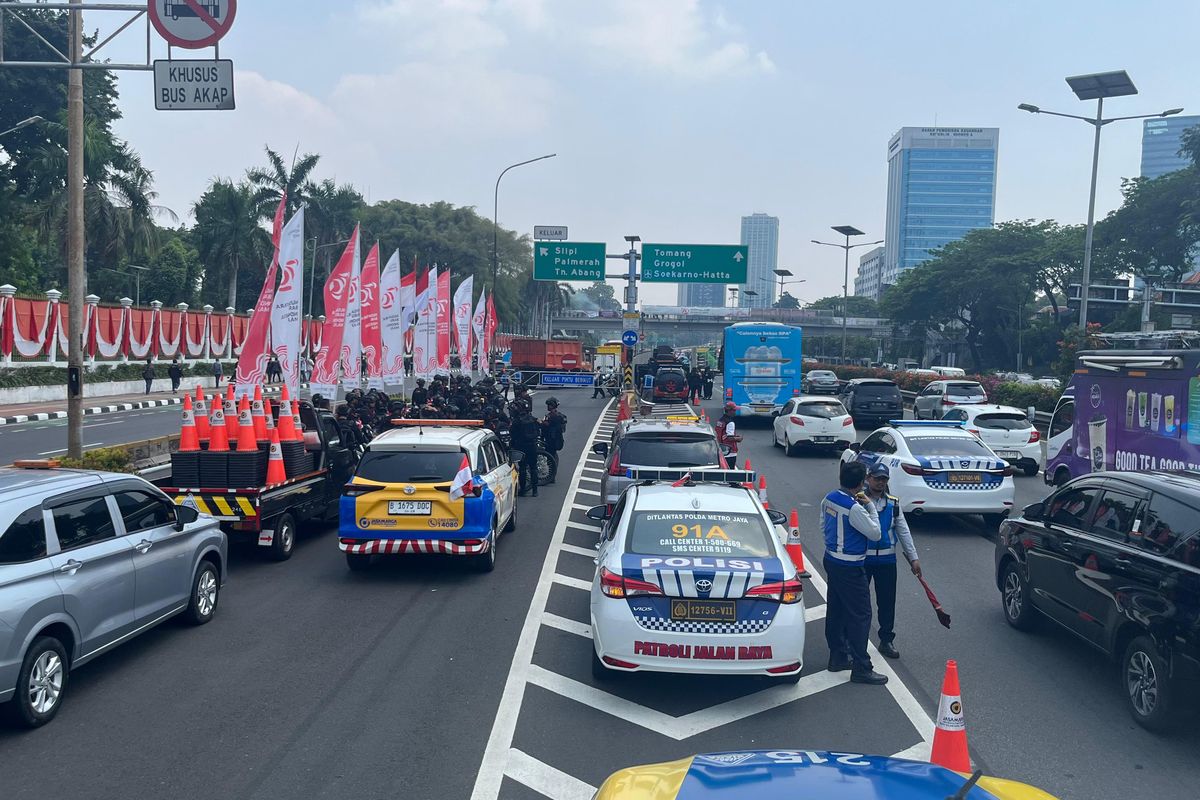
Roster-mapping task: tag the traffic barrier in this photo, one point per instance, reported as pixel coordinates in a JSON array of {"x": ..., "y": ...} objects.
[
  {"x": 189, "y": 441},
  {"x": 201, "y": 415},
  {"x": 794, "y": 550},
  {"x": 256, "y": 413},
  {"x": 246, "y": 440},
  {"x": 275, "y": 469},
  {"x": 950, "y": 728},
  {"x": 218, "y": 440}
]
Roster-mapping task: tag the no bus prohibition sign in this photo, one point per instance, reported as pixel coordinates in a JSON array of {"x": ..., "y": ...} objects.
[{"x": 192, "y": 24}]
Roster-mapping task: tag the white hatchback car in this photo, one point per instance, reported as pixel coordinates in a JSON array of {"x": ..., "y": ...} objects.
[
  {"x": 815, "y": 421},
  {"x": 1005, "y": 429},
  {"x": 695, "y": 578}
]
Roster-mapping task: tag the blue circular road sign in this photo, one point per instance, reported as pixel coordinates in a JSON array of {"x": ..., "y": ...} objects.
[{"x": 629, "y": 338}]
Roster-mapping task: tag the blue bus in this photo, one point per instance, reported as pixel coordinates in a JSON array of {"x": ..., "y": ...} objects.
[{"x": 761, "y": 366}]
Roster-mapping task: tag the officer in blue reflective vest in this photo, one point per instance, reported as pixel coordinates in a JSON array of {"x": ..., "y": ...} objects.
[
  {"x": 850, "y": 524},
  {"x": 881, "y": 555}
]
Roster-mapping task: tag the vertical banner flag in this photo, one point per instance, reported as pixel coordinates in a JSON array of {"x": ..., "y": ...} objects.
[
  {"x": 425, "y": 337},
  {"x": 391, "y": 323},
  {"x": 352, "y": 335},
  {"x": 408, "y": 308},
  {"x": 444, "y": 316},
  {"x": 490, "y": 332},
  {"x": 289, "y": 300},
  {"x": 462, "y": 321},
  {"x": 252, "y": 363},
  {"x": 372, "y": 340},
  {"x": 477, "y": 321},
  {"x": 337, "y": 293}
]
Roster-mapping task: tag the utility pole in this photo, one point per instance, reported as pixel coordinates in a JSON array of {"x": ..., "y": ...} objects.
[{"x": 76, "y": 277}]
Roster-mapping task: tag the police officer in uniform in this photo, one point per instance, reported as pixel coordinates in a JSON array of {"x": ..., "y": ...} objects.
[
  {"x": 420, "y": 395},
  {"x": 880, "y": 562},
  {"x": 554, "y": 426},
  {"x": 525, "y": 434},
  {"x": 850, "y": 524}
]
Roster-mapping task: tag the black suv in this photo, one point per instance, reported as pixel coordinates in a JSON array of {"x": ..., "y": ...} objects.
[
  {"x": 1115, "y": 559},
  {"x": 872, "y": 401}
]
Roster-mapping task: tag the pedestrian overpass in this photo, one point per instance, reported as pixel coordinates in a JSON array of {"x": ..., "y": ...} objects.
[{"x": 608, "y": 325}]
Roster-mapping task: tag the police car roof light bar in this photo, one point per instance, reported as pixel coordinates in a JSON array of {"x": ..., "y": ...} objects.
[
  {"x": 733, "y": 477},
  {"x": 923, "y": 423}
]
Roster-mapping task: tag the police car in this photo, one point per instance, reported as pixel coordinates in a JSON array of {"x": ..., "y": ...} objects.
[
  {"x": 429, "y": 486},
  {"x": 938, "y": 467},
  {"x": 805, "y": 773},
  {"x": 692, "y": 576}
]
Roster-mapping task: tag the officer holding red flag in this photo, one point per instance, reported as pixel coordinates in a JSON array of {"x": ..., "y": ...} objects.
[{"x": 880, "y": 562}]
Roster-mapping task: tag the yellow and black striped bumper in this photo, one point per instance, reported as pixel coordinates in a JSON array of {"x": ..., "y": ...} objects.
[{"x": 225, "y": 507}]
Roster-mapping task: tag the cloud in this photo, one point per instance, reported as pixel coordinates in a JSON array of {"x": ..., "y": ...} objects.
[{"x": 448, "y": 28}]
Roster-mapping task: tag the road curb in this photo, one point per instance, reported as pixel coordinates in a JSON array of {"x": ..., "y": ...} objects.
[{"x": 42, "y": 416}]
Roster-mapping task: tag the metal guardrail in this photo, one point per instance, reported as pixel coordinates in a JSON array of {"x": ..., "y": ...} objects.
[{"x": 1040, "y": 418}]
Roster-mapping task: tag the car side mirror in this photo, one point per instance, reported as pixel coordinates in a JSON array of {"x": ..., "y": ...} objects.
[
  {"x": 185, "y": 515},
  {"x": 515, "y": 456},
  {"x": 600, "y": 448},
  {"x": 1033, "y": 511},
  {"x": 777, "y": 517},
  {"x": 598, "y": 513},
  {"x": 855, "y": 446}
]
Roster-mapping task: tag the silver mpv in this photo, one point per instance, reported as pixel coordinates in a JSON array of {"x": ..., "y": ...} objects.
[{"x": 88, "y": 560}]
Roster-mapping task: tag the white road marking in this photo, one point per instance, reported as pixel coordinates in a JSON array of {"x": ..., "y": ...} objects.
[
  {"x": 574, "y": 583},
  {"x": 568, "y": 625},
  {"x": 52, "y": 452},
  {"x": 589, "y": 479},
  {"x": 583, "y": 526},
  {"x": 495, "y": 756},
  {"x": 587, "y": 491},
  {"x": 579, "y": 551},
  {"x": 545, "y": 779}
]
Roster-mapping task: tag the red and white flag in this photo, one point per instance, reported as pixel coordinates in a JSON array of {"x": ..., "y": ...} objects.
[
  {"x": 462, "y": 321},
  {"x": 489, "y": 333},
  {"x": 425, "y": 337},
  {"x": 391, "y": 321},
  {"x": 372, "y": 341},
  {"x": 337, "y": 293},
  {"x": 477, "y": 320},
  {"x": 464, "y": 481},
  {"x": 352, "y": 336},
  {"x": 444, "y": 316},
  {"x": 252, "y": 363},
  {"x": 287, "y": 312}
]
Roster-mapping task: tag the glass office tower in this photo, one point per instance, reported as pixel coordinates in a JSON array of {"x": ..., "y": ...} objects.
[
  {"x": 761, "y": 233},
  {"x": 1161, "y": 139}
]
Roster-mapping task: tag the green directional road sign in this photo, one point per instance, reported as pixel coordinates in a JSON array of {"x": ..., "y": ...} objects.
[
  {"x": 568, "y": 261},
  {"x": 694, "y": 263}
]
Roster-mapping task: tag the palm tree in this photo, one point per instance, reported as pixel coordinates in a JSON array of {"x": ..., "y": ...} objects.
[
  {"x": 227, "y": 233},
  {"x": 272, "y": 183}
]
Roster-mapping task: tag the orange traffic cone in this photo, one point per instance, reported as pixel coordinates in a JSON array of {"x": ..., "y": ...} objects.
[
  {"x": 793, "y": 545},
  {"x": 231, "y": 415},
  {"x": 950, "y": 729},
  {"x": 256, "y": 412},
  {"x": 218, "y": 441},
  {"x": 296, "y": 420},
  {"x": 287, "y": 423},
  {"x": 201, "y": 415},
  {"x": 246, "y": 440},
  {"x": 748, "y": 468},
  {"x": 189, "y": 442},
  {"x": 762, "y": 491},
  {"x": 275, "y": 470},
  {"x": 269, "y": 417}
]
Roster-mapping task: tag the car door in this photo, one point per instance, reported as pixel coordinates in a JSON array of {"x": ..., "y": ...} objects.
[
  {"x": 499, "y": 478},
  {"x": 1160, "y": 578},
  {"x": 93, "y": 567},
  {"x": 923, "y": 405},
  {"x": 29, "y": 592},
  {"x": 163, "y": 558},
  {"x": 1051, "y": 545},
  {"x": 780, "y": 422}
]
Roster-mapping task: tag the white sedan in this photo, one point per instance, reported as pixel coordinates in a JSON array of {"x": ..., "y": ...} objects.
[
  {"x": 1006, "y": 430},
  {"x": 937, "y": 467},
  {"x": 815, "y": 421},
  {"x": 695, "y": 578}
]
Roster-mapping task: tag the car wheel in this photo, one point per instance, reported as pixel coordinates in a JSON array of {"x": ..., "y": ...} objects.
[
  {"x": 1061, "y": 476},
  {"x": 511, "y": 525},
  {"x": 358, "y": 562},
  {"x": 486, "y": 561},
  {"x": 1016, "y": 599},
  {"x": 206, "y": 593},
  {"x": 774, "y": 437},
  {"x": 284, "y": 540},
  {"x": 1149, "y": 691},
  {"x": 1032, "y": 471},
  {"x": 792, "y": 450},
  {"x": 41, "y": 683},
  {"x": 544, "y": 466},
  {"x": 993, "y": 521}
]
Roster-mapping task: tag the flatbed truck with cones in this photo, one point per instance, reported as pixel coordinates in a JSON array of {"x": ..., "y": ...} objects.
[{"x": 272, "y": 511}]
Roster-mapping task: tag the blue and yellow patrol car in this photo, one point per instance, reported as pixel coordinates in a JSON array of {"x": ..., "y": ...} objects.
[{"x": 429, "y": 486}]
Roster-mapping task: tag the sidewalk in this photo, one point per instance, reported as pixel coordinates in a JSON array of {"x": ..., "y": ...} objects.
[{"x": 15, "y": 413}]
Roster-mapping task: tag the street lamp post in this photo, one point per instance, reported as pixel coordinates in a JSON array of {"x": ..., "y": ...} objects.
[
  {"x": 786, "y": 273},
  {"x": 847, "y": 231},
  {"x": 1096, "y": 86},
  {"x": 25, "y": 123},
  {"x": 487, "y": 324},
  {"x": 137, "y": 282}
]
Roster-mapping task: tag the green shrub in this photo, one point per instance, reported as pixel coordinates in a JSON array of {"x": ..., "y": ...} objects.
[
  {"x": 1020, "y": 395},
  {"x": 1023, "y": 395},
  {"x": 108, "y": 459}
]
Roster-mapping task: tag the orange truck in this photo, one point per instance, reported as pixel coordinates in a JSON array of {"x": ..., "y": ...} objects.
[{"x": 556, "y": 355}]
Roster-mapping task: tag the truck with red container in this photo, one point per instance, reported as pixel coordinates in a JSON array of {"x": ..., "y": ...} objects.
[{"x": 548, "y": 355}]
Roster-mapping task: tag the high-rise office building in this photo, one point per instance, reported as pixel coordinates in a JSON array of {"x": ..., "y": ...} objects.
[
  {"x": 760, "y": 232},
  {"x": 702, "y": 295},
  {"x": 941, "y": 184},
  {"x": 1161, "y": 139},
  {"x": 870, "y": 266}
]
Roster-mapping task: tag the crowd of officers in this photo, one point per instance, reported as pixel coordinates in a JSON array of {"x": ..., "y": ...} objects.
[{"x": 364, "y": 415}]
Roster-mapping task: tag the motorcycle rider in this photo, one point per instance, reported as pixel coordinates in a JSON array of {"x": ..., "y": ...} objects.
[
  {"x": 554, "y": 427},
  {"x": 525, "y": 430}
]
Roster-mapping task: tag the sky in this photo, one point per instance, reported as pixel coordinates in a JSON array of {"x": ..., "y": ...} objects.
[{"x": 671, "y": 119}]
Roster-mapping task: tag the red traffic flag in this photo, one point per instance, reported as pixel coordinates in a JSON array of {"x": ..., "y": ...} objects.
[
  {"x": 464, "y": 481},
  {"x": 942, "y": 616}
]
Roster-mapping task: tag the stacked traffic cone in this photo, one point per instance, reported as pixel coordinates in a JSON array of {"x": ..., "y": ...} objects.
[
  {"x": 287, "y": 423},
  {"x": 256, "y": 412},
  {"x": 246, "y": 440},
  {"x": 231, "y": 414},
  {"x": 762, "y": 491},
  {"x": 218, "y": 440},
  {"x": 296, "y": 421},
  {"x": 189, "y": 441},
  {"x": 794, "y": 550},
  {"x": 950, "y": 728},
  {"x": 269, "y": 417},
  {"x": 275, "y": 470},
  {"x": 201, "y": 414}
]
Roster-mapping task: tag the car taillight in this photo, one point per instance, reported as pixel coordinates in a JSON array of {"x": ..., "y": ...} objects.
[
  {"x": 786, "y": 592},
  {"x": 1034, "y": 436},
  {"x": 618, "y": 586},
  {"x": 946, "y": 401},
  {"x": 358, "y": 489},
  {"x": 972, "y": 431},
  {"x": 914, "y": 470},
  {"x": 797, "y": 421},
  {"x": 847, "y": 421},
  {"x": 614, "y": 466}
]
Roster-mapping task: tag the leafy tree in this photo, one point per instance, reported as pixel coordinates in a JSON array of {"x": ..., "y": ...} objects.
[
  {"x": 174, "y": 277},
  {"x": 856, "y": 306},
  {"x": 600, "y": 296},
  {"x": 786, "y": 301},
  {"x": 271, "y": 183},
  {"x": 1154, "y": 231},
  {"x": 231, "y": 244}
]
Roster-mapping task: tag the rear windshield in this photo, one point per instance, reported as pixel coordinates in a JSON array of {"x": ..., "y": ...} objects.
[
  {"x": 669, "y": 374},
  {"x": 948, "y": 446},
  {"x": 670, "y": 450},
  {"x": 827, "y": 410},
  {"x": 821, "y": 375},
  {"x": 408, "y": 466},
  {"x": 698, "y": 533},
  {"x": 886, "y": 390},
  {"x": 1003, "y": 422},
  {"x": 964, "y": 389}
]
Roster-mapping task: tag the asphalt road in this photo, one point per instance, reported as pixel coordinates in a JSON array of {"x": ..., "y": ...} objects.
[
  {"x": 421, "y": 679},
  {"x": 49, "y": 438}
]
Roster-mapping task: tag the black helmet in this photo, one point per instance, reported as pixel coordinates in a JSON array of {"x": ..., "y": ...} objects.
[
  {"x": 420, "y": 381},
  {"x": 552, "y": 402}
]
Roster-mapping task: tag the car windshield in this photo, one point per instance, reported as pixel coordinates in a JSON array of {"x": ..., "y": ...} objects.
[
  {"x": 964, "y": 390},
  {"x": 670, "y": 449},
  {"x": 948, "y": 446},
  {"x": 698, "y": 533},
  {"x": 409, "y": 466},
  {"x": 823, "y": 410},
  {"x": 1003, "y": 422}
]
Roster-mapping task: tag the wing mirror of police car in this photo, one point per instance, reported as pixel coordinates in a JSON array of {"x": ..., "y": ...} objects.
[
  {"x": 776, "y": 517},
  {"x": 598, "y": 513},
  {"x": 600, "y": 448},
  {"x": 515, "y": 457},
  {"x": 185, "y": 515},
  {"x": 1033, "y": 511},
  {"x": 855, "y": 446}
]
